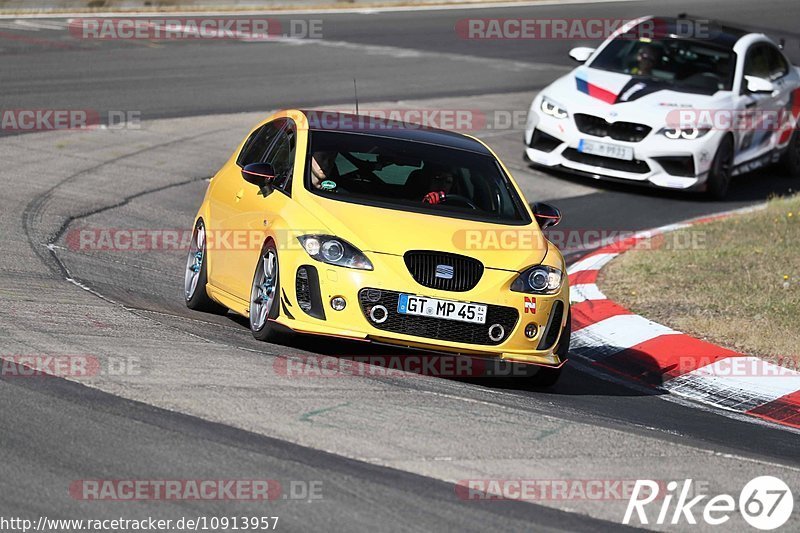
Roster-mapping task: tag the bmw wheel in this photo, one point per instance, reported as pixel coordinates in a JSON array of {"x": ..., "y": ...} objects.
[
  {"x": 790, "y": 160},
  {"x": 719, "y": 177}
]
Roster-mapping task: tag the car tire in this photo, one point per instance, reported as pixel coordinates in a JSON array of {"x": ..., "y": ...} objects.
[
  {"x": 196, "y": 275},
  {"x": 719, "y": 177},
  {"x": 265, "y": 296},
  {"x": 547, "y": 376},
  {"x": 790, "y": 160}
]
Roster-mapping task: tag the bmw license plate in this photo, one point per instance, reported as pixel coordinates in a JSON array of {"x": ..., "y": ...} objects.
[
  {"x": 615, "y": 151},
  {"x": 435, "y": 308}
]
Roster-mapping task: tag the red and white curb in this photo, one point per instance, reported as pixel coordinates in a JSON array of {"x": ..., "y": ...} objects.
[{"x": 608, "y": 336}]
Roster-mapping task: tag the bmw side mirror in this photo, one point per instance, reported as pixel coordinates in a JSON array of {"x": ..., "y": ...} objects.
[
  {"x": 758, "y": 85},
  {"x": 260, "y": 174},
  {"x": 546, "y": 215},
  {"x": 581, "y": 53}
]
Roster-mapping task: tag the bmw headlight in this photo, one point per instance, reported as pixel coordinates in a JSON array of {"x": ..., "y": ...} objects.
[
  {"x": 549, "y": 107},
  {"x": 538, "y": 279},
  {"x": 684, "y": 133},
  {"x": 334, "y": 251}
]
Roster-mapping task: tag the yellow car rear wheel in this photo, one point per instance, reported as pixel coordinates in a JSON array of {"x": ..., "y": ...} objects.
[{"x": 195, "y": 275}]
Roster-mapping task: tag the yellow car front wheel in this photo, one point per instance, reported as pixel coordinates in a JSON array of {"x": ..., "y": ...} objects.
[
  {"x": 547, "y": 377},
  {"x": 265, "y": 296}
]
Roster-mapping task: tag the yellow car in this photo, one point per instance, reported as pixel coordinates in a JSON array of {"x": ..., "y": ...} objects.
[{"x": 344, "y": 225}]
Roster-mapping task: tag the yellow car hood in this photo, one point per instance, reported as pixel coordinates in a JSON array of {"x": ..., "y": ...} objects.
[{"x": 390, "y": 231}]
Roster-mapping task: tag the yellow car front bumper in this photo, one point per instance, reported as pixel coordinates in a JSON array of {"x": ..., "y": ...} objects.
[{"x": 353, "y": 321}]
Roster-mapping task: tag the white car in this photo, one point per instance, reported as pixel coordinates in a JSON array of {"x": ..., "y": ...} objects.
[{"x": 662, "y": 103}]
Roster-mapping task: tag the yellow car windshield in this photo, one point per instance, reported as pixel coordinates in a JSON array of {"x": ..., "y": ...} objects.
[{"x": 411, "y": 175}]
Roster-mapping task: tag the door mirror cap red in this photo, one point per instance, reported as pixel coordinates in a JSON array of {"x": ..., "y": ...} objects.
[
  {"x": 546, "y": 215},
  {"x": 260, "y": 174}
]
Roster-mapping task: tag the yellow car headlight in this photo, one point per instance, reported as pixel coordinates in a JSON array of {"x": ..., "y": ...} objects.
[
  {"x": 334, "y": 251},
  {"x": 539, "y": 279}
]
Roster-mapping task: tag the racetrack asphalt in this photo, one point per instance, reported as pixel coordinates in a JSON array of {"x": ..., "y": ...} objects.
[{"x": 209, "y": 401}]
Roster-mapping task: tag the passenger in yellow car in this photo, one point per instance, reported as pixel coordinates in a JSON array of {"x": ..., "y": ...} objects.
[{"x": 323, "y": 171}]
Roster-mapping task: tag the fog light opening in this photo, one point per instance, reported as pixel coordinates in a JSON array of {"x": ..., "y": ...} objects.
[
  {"x": 338, "y": 303},
  {"x": 378, "y": 314},
  {"x": 496, "y": 332},
  {"x": 531, "y": 330}
]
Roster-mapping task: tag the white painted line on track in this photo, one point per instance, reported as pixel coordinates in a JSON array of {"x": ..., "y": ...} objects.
[
  {"x": 41, "y": 25},
  {"x": 616, "y": 334},
  {"x": 582, "y": 292},
  {"x": 585, "y": 365},
  {"x": 738, "y": 383},
  {"x": 410, "y": 53},
  {"x": 593, "y": 262}
]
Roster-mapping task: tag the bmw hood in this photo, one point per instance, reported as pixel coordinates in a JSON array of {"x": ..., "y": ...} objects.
[
  {"x": 616, "y": 96},
  {"x": 392, "y": 231}
]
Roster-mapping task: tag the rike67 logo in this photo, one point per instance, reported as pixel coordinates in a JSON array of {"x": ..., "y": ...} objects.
[{"x": 766, "y": 503}]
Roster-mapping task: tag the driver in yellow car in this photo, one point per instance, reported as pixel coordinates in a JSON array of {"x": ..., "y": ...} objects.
[{"x": 440, "y": 185}]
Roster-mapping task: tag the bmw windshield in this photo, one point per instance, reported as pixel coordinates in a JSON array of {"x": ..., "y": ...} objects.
[
  {"x": 682, "y": 64},
  {"x": 411, "y": 176}
]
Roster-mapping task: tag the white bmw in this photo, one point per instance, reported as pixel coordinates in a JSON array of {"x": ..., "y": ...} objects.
[{"x": 661, "y": 105}]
